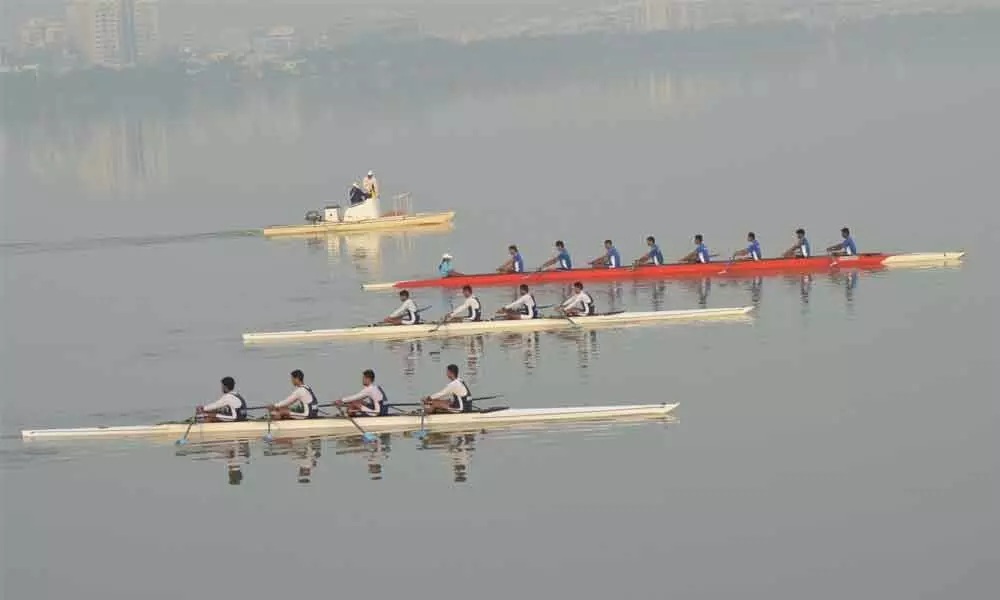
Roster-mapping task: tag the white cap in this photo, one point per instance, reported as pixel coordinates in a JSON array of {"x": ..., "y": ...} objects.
[
  {"x": 446, "y": 256},
  {"x": 370, "y": 173}
]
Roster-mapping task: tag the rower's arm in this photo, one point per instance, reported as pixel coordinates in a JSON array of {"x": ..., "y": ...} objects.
[
  {"x": 398, "y": 312},
  {"x": 600, "y": 260},
  {"x": 507, "y": 266},
  {"x": 214, "y": 406},
  {"x": 463, "y": 308},
  {"x": 690, "y": 256},
  {"x": 549, "y": 263},
  {"x": 290, "y": 400},
  {"x": 355, "y": 397},
  {"x": 791, "y": 251},
  {"x": 447, "y": 391}
]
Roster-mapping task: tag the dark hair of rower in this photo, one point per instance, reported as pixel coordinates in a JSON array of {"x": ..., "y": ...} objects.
[
  {"x": 845, "y": 231},
  {"x": 404, "y": 294},
  {"x": 608, "y": 243},
  {"x": 512, "y": 247},
  {"x": 560, "y": 244},
  {"x": 524, "y": 288},
  {"x": 228, "y": 384},
  {"x": 751, "y": 236},
  {"x": 467, "y": 288},
  {"x": 369, "y": 375},
  {"x": 578, "y": 285},
  {"x": 651, "y": 240},
  {"x": 698, "y": 238},
  {"x": 453, "y": 369},
  {"x": 298, "y": 375},
  {"x": 800, "y": 231}
]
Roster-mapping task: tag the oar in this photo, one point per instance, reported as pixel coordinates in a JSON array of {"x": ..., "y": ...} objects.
[
  {"x": 184, "y": 439},
  {"x": 267, "y": 436},
  {"x": 477, "y": 399},
  {"x": 728, "y": 264},
  {"x": 440, "y": 323},
  {"x": 365, "y": 435}
]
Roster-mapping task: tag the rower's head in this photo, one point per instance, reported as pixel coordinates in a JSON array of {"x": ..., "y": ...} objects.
[
  {"x": 368, "y": 377},
  {"x": 228, "y": 384},
  {"x": 467, "y": 291},
  {"x": 298, "y": 378},
  {"x": 446, "y": 257},
  {"x": 845, "y": 233},
  {"x": 452, "y": 372},
  {"x": 800, "y": 233},
  {"x": 524, "y": 289},
  {"x": 698, "y": 239},
  {"x": 751, "y": 236},
  {"x": 371, "y": 173},
  {"x": 578, "y": 286},
  {"x": 512, "y": 249},
  {"x": 404, "y": 295},
  {"x": 560, "y": 245},
  {"x": 650, "y": 241},
  {"x": 608, "y": 244}
]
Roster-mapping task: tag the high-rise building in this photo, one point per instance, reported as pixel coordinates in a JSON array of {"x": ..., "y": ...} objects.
[{"x": 114, "y": 33}]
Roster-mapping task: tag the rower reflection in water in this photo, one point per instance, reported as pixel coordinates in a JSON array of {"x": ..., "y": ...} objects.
[
  {"x": 459, "y": 447},
  {"x": 454, "y": 398}
]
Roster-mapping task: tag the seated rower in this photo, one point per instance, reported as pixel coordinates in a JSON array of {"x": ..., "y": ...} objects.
[
  {"x": 652, "y": 257},
  {"x": 371, "y": 401},
  {"x": 524, "y": 307},
  {"x": 561, "y": 260},
  {"x": 751, "y": 252},
  {"x": 454, "y": 398},
  {"x": 700, "y": 253},
  {"x": 406, "y": 314},
  {"x": 514, "y": 264},
  {"x": 300, "y": 404},
  {"x": 801, "y": 247},
  {"x": 470, "y": 310},
  {"x": 230, "y": 407},
  {"x": 580, "y": 304},
  {"x": 846, "y": 247},
  {"x": 370, "y": 185},
  {"x": 610, "y": 259}
]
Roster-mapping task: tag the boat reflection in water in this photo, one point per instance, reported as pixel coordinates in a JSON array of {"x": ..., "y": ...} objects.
[
  {"x": 372, "y": 459},
  {"x": 364, "y": 250}
]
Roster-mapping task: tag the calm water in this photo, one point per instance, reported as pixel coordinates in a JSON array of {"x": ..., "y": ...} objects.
[{"x": 842, "y": 445}]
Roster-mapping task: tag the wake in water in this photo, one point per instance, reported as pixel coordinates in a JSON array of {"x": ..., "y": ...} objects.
[{"x": 121, "y": 241}]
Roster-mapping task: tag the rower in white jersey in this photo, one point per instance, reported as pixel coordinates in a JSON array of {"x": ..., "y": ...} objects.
[
  {"x": 524, "y": 307},
  {"x": 470, "y": 310},
  {"x": 371, "y": 401},
  {"x": 454, "y": 398},
  {"x": 230, "y": 407},
  {"x": 300, "y": 404},
  {"x": 406, "y": 314},
  {"x": 579, "y": 304}
]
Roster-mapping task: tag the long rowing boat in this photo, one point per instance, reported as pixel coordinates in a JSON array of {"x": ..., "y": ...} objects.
[
  {"x": 768, "y": 266},
  {"x": 373, "y": 224},
  {"x": 340, "y": 426},
  {"x": 467, "y": 328}
]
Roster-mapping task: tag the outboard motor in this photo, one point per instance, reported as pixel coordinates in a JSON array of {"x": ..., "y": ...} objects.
[
  {"x": 313, "y": 217},
  {"x": 357, "y": 195}
]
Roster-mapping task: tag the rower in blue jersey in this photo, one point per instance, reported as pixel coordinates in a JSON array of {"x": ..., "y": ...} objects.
[
  {"x": 801, "y": 247},
  {"x": 524, "y": 307},
  {"x": 845, "y": 248},
  {"x": 752, "y": 251},
  {"x": 700, "y": 253},
  {"x": 610, "y": 259},
  {"x": 652, "y": 257},
  {"x": 561, "y": 260},
  {"x": 514, "y": 264},
  {"x": 445, "y": 268}
]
